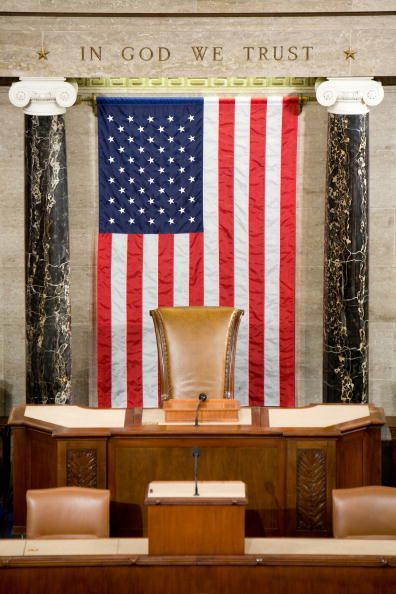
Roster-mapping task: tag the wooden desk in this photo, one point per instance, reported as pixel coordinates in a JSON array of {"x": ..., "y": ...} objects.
[
  {"x": 208, "y": 521},
  {"x": 289, "y": 471},
  {"x": 279, "y": 566}
]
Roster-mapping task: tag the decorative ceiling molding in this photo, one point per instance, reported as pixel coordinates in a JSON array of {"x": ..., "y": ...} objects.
[{"x": 187, "y": 84}]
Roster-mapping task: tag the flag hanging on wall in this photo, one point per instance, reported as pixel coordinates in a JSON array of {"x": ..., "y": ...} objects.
[{"x": 197, "y": 207}]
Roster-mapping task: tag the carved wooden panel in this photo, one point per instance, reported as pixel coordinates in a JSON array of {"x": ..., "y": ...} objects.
[
  {"x": 81, "y": 468},
  {"x": 311, "y": 489}
]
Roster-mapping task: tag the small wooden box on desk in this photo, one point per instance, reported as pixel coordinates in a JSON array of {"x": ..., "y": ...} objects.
[
  {"x": 214, "y": 410},
  {"x": 211, "y": 523}
]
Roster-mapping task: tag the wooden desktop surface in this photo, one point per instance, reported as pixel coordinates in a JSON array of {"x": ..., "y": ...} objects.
[
  {"x": 279, "y": 566},
  {"x": 289, "y": 471},
  {"x": 316, "y": 420}
]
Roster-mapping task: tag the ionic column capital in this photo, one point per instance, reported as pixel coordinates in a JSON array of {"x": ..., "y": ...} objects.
[
  {"x": 349, "y": 96},
  {"x": 43, "y": 96}
]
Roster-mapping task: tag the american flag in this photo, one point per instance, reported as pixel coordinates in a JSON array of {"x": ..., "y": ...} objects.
[{"x": 197, "y": 207}]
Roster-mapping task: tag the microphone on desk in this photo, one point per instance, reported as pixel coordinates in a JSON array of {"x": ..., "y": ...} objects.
[
  {"x": 202, "y": 398},
  {"x": 196, "y": 452}
]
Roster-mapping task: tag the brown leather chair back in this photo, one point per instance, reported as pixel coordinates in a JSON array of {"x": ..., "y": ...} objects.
[
  {"x": 196, "y": 350},
  {"x": 67, "y": 512},
  {"x": 364, "y": 512}
]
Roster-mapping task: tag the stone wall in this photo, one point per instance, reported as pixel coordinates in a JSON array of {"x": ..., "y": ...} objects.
[
  {"x": 197, "y": 6},
  {"x": 81, "y": 137},
  {"x": 291, "y": 39}
]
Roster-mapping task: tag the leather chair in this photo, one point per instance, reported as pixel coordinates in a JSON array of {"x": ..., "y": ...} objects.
[
  {"x": 364, "y": 512},
  {"x": 67, "y": 512},
  {"x": 196, "y": 350}
]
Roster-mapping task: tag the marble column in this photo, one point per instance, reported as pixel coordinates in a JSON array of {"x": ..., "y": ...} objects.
[
  {"x": 47, "y": 262},
  {"x": 345, "y": 305}
]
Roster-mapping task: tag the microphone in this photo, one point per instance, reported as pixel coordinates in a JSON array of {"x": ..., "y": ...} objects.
[
  {"x": 202, "y": 398},
  {"x": 196, "y": 452}
]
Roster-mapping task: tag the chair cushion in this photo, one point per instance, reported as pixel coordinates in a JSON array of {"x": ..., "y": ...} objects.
[
  {"x": 67, "y": 512},
  {"x": 364, "y": 512}
]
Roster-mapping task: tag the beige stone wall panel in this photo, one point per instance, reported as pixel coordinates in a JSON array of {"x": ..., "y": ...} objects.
[
  {"x": 382, "y": 352},
  {"x": 372, "y": 37},
  {"x": 309, "y": 391},
  {"x": 12, "y": 276},
  {"x": 375, "y": 5},
  {"x": 20, "y": 5},
  {"x": 375, "y": 47},
  {"x": 382, "y": 236},
  {"x": 84, "y": 365},
  {"x": 308, "y": 356},
  {"x": 14, "y": 380},
  {"x": 197, "y": 6}
]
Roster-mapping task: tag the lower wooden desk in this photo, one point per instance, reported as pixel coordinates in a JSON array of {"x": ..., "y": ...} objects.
[
  {"x": 288, "y": 461},
  {"x": 206, "y": 518},
  {"x": 278, "y": 566}
]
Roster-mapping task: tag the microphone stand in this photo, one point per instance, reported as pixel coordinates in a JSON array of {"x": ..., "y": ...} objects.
[
  {"x": 196, "y": 452},
  {"x": 202, "y": 398}
]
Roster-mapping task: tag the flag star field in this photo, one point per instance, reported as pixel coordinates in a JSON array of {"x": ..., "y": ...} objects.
[{"x": 151, "y": 174}]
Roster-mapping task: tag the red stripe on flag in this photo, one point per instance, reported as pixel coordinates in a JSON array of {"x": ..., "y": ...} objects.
[
  {"x": 134, "y": 321},
  {"x": 104, "y": 320},
  {"x": 165, "y": 270},
  {"x": 196, "y": 279},
  {"x": 287, "y": 253},
  {"x": 256, "y": 250},
  {"x": 226, "y": 201}
]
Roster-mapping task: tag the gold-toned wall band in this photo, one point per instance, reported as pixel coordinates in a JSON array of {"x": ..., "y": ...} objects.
[
  {"x": 197, "y": 82},
  {"x": 89, "y": 88}
]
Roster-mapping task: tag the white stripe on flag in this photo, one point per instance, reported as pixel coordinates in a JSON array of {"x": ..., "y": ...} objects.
[
  {"x": 150, "y": 301},
  {"x": 211, "y": 201},
  {"x": 272, "y": 251},
  {"x": 118, "y": 320},
  {"x": 241, "y": 243},
  {"x": 181, "y": 269}
]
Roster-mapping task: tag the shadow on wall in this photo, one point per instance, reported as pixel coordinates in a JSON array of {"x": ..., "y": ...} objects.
[
  {"x": 5, "y": 462},
  {"x": 5, "y": 398}
]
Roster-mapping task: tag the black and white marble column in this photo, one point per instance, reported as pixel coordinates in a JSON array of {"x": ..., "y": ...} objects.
[
  {"x": 47, "y": 262},
  {"x": 345, "y": 304}
]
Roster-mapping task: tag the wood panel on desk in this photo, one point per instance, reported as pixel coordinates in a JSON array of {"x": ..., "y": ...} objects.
[
  {"x": 372, "y": 460},
  {"x": 359, "y": 458},
  {"x": 35, "y": 456},
  {"x": 82, "y": 463},
  {"x": 186, "y": 575},
  {"x": 196, "y": 529},
  {"x": 310, "y": 480},
  {"x": 258, "y": 463}
]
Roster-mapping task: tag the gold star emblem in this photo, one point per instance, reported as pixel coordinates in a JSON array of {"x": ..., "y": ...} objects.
[
  {"x": 349, "y": 54},
  {"x": 42, "y": 54}
]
